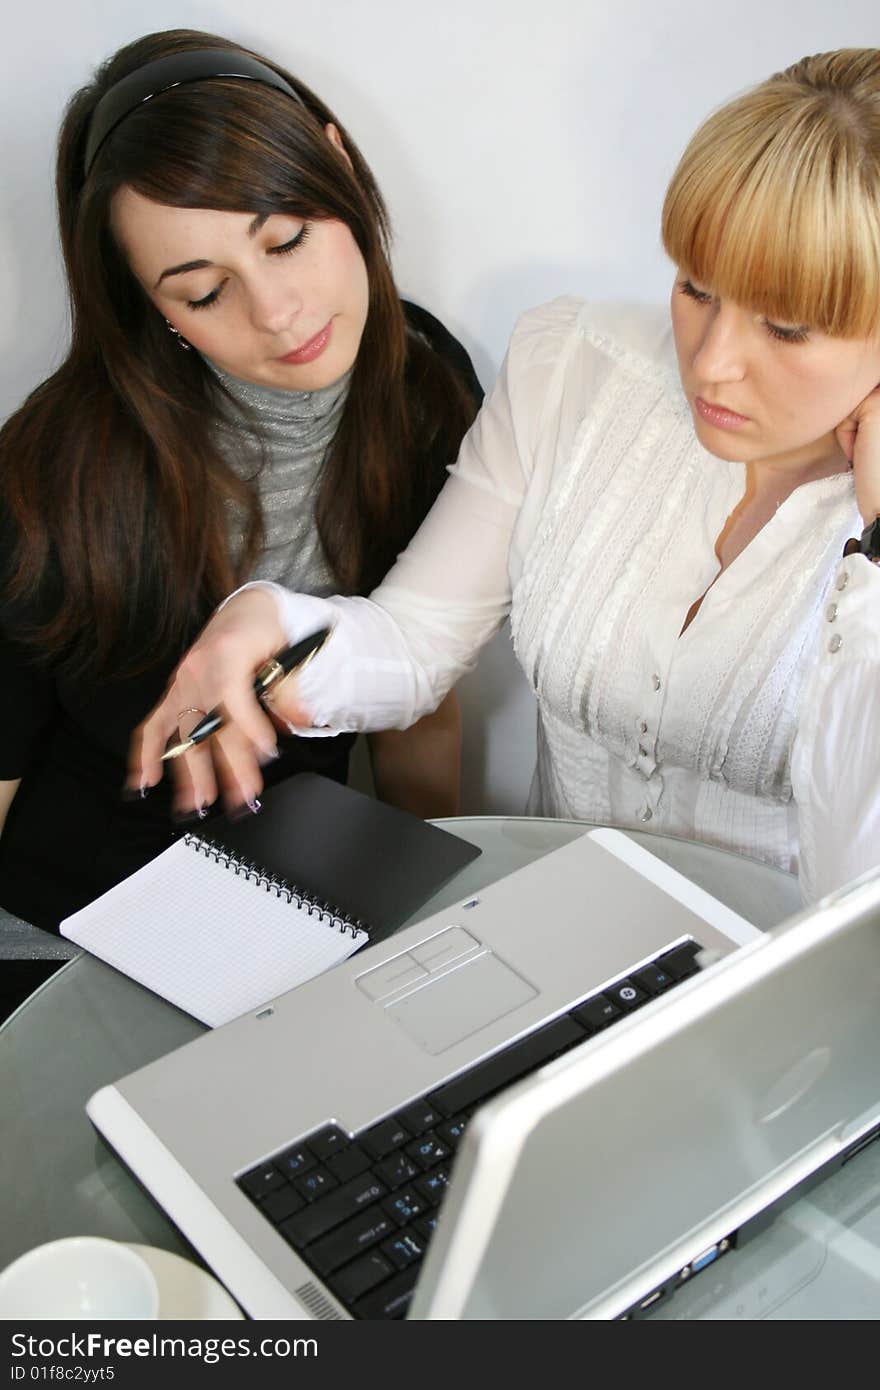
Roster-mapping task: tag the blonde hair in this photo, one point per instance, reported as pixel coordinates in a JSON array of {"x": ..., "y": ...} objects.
[{"x": 775, "y": 203}]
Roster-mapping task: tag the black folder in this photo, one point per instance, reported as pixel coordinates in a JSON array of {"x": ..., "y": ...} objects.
[{"x": 370, "y": 862}]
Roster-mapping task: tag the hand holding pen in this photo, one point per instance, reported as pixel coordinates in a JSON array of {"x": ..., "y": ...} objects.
[
  {"x": 266, "y": 681},
  {"x": 234, "y": 733}
]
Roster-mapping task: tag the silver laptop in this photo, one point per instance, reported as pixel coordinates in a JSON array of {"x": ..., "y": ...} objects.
[{"x": 367, "y": 1146}]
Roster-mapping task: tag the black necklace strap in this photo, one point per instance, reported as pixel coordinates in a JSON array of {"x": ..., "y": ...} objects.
[{"x": 175, "y": 70}]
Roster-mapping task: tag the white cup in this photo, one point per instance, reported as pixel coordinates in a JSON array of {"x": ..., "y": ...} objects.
[{"x": 78, "y": 1278}]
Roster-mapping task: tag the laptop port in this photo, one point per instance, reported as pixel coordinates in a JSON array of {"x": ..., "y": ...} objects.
[
  {"x": 870, "y": 1138},
  {"x": 705, "y": 1258},
  {"x": 651, "y": 1299}
]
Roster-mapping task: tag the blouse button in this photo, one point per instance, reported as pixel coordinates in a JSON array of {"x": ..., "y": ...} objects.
[
  {"x": 647, "y": 814},
  {"x": 655, "y": 681},
  {"x": 831, "y": 612},
  {"x": 836, "y": 643},
  {"x": 643, "y": 726},
  {"x": 842, "y": 579}
]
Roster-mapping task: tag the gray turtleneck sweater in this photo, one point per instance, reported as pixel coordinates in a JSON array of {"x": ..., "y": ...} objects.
[{"x": 295, "y": 429}]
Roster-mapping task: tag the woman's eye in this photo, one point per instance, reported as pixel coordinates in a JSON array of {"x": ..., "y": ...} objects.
[
  {"x": 291, "y": 245},
  {"x": 283, "y": 250},
  {"x": 786, "y": 335},
  {"x": 208, "y": 300},
  {"x": 687, "y": 287}
]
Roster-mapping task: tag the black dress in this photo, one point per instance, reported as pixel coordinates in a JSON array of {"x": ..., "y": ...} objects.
[{"x": 69, "y": 835}]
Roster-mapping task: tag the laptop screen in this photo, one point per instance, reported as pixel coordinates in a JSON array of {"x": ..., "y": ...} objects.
[{"x": 587, "y": 1187}]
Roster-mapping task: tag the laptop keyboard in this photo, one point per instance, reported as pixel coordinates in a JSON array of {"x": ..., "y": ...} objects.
[{"x": 360, "y": 1210}]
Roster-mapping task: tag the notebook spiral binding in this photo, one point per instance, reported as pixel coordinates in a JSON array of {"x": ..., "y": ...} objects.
[{"x": 325, "y": 912}]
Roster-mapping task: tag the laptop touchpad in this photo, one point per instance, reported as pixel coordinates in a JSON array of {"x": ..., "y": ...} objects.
[{"x": 450, "y": 1009}]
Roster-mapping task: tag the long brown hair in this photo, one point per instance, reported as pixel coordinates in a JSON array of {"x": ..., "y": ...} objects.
[{"x": 110, "y": 473}]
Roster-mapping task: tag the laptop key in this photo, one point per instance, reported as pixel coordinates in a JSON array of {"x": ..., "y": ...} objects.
[
  {"x": 428, "y": 1150},
  {"x": 391, "y": 1299},
  {"x": 331, "y": 1211},
  {"x": 358, "y": 1278},
  {"x": 419, "y": 1116},
  {"x": 294, "y": 1161},
  {"x": 433, "y": 1185},
  {"x": 453, "y": 1131},
  {"x": 507, "y": 1066},
  {"x": 404, "y": 1205},
  {"x": 259, "y": 1182},
  {"x": 396, "y": 1170},
  {"x": 597, "y": 1012},
  {"x": 627, "y": 994},
  {"x": 653, "y": 979},
  {"x": 405, "y": 1249},
  {"x": 427, "y": 1225},
  {"x": 680, "y": 963},
  {"x": 351, "y": 1239},
  {"x": 328, "y": 1141},
  {"x": 315, "y": 1184},
  {"x": 281, "y": 1203},
  {"x": 384, "y": 1138},
  {"x": 348, "y": 1163}
]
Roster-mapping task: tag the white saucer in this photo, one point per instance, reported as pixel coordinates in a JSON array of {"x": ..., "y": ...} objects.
[{"x": 185, "y": 1290}]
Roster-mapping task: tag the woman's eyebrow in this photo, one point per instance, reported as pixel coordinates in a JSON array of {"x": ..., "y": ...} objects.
[
  {"x": 181, "y": 270},
  {"x": 252, "y": 230}
]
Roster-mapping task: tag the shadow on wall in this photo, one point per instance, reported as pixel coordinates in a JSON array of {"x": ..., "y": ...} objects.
[
  {"x": 499, "y": 721},
  {"x": 498, "y": 744}
]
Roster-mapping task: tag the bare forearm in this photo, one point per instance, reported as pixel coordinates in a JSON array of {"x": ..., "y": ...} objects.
[{"x": 419, "y": 769}]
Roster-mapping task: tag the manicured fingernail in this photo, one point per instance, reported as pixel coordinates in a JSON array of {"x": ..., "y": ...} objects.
[
  {"x": 189, "y": 817},
  {"x": 136, "y": 793},
  {"x": 250, "y": 808}
]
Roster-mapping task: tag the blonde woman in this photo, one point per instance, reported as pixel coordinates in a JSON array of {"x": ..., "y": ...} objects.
[{"x": 662, "y": 509}]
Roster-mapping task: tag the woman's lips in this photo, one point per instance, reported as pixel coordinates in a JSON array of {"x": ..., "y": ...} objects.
[
  {"x": 312, "y": 349},
  {"x": 718, "y": 415}
]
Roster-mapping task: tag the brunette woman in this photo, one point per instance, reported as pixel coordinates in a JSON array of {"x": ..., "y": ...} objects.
[{"x": 245, "y": 395}]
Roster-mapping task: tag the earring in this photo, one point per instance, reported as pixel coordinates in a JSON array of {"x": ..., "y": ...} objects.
[{"x": 181, "y": 341}]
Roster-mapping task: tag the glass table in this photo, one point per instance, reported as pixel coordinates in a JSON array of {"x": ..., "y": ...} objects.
[{"x": 89, "y": 1025}]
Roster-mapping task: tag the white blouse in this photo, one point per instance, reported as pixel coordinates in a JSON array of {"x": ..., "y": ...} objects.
[{"x": 583, "y": 505}]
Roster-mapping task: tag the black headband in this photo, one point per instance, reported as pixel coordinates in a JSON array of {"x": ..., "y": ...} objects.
[{"x": 174, "y": 71}]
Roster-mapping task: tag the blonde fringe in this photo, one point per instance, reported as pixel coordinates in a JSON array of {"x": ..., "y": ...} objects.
[{"x": 775, "y": 203}]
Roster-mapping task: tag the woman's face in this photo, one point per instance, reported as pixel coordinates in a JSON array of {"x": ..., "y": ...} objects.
[
  {"x": 764, "y": 392},
  {"x": 272, "y": 300}
]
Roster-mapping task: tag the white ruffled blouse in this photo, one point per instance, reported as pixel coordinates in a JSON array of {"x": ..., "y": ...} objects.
[{"x": 583, "y": 505}]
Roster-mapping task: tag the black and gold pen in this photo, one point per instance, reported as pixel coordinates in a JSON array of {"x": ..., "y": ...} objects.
[{"x": 270, "y": 674}]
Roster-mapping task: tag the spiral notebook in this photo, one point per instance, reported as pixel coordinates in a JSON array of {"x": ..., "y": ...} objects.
[{"x": 231, "y": 917}]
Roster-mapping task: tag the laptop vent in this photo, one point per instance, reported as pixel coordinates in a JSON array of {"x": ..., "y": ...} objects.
[{"x": 317, "y": 1304}]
